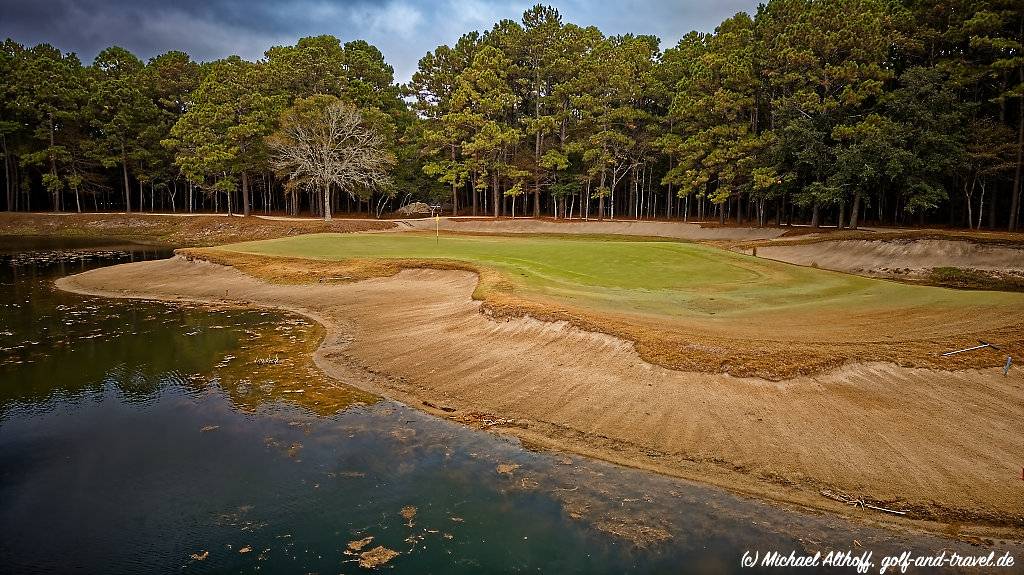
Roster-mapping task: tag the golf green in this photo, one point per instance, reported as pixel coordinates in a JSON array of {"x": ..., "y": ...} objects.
[{"x": 662, "y": 278}]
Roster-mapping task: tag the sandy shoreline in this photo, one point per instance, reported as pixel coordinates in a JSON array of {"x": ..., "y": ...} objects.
[{"x": 947, "y": 446}]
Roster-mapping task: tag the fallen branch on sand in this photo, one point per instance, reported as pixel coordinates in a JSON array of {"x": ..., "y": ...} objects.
[
  {"x": 857, "y": 502},
  {"x": 484, "y": 420},
  {"x": 983, "y": 343}
]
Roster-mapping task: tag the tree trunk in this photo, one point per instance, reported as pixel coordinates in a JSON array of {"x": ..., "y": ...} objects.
[
  {"x": 981, "y": 204},
  {"x": 668, "y": 194},
  {"x": 585, "y": 208},
  {"x": 1015, "y": 201},
  {"x": 537, "y": 146},
  {"x": 327, "y": 204},
  {"x": 16, "y": 185},
  {"x": 967, "y": 201},
  {"x": 455, "y": 191},
  {"x": 611, "y": 197},
  {"x": 127, "y": 189},
  {"x": 7, "y": 174},
  {"x": 815, "y": 215},
  {"x": 245, "y": 194},
  {"x": 53, "y": 169},
  {"x": 855, "y": 210},
  {"x": 28, "y": 192},
  {"x": 994, "y": 200},
  {"x": 473, "y": 195},
  {"x": 633, "y": 198},
  {"x": 494, "y": 194}
]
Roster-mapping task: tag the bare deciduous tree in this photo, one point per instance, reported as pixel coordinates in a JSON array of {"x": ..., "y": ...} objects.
[{"x": 322, "y": 142}]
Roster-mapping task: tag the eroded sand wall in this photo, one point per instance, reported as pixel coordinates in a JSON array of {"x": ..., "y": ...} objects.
[{"x": 898, "y": 257}]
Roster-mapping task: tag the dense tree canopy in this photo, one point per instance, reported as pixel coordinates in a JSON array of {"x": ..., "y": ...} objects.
[{"x": 830, "y": 112}]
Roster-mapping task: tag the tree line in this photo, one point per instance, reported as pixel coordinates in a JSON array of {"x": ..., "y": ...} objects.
[
  {"x": 172, "y": 134},
  {"x": 828, "y": 112}
]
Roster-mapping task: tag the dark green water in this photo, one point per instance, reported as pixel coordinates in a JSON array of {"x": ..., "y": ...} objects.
[{"x": 118, "y": 455}]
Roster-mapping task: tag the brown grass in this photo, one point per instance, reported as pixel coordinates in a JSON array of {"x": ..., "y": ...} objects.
[
  {"x": 966, "y": 278},
  {"x": 175, "y": 231},
  {"x": 745, "y": 350}
]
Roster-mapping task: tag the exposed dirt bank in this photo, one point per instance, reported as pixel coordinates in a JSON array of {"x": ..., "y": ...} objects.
[
  {"x": 176, "y": 230},
  {"x": 887, "y": 258},
  {"x": 797, "y": 234},
  {"x": 945, "y": 446}
]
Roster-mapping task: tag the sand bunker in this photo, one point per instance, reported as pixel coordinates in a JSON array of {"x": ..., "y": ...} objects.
[{"x": 943, "y": 445}]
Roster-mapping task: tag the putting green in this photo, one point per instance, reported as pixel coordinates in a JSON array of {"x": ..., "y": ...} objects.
[{"x": 649, "y": 277}]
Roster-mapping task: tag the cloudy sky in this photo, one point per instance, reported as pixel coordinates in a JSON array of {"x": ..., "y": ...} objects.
[{"x": 403, "y": 29}]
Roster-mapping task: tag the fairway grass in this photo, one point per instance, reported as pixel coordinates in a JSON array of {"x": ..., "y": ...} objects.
[{"x": 685, "y": 305}]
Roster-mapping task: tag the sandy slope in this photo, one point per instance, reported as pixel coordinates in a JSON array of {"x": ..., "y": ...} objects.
[
  {"x": 883, "y": 258},
  {"x": 947, "y": 445}
]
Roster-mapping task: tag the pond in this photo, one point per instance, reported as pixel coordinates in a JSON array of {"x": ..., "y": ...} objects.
[{"x": 144, "y": 437}]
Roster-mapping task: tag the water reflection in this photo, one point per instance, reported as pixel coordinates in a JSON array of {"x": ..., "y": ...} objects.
[{"x": 255, "y": 356}]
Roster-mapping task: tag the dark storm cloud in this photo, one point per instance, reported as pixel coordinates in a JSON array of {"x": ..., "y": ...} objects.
[{"x": 403, "y": 29}]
